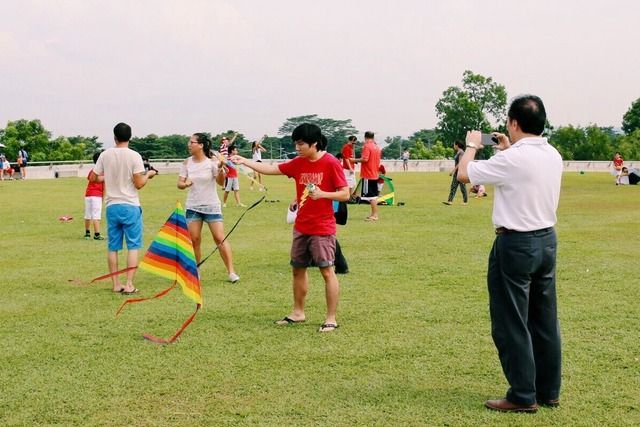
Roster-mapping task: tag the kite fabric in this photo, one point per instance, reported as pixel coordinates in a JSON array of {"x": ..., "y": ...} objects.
[{"x": 171, "y": 255}]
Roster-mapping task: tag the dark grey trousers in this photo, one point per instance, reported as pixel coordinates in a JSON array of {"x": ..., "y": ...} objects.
[
  {"x": 524, "y": 321},
  {"x": 454, "y": 187}
]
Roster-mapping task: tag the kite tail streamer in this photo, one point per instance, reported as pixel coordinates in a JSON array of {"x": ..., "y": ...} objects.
[
  {"x": 232, "y": 228},
  {"x": 171, "y": 340},
  {"x": 106, "y": 276},
  {"x": 158, "y": 295}
]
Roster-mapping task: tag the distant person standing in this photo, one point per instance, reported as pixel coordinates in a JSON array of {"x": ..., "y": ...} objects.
[
  {"x": 618, "y": 161},
  {"x": 526, "y": 174},
  {"x": 23, "y": 158},
  {"x": 225, "y": 143},
  {"x": 347, "y": 163},
  {"x": 457, "y": 146},
  {"x": 93, "y": 204},
  {"x": 256, "y": 155},
  {"x": 123, "y": 172},
  {"x": 405, "y": 160},
  {"x": 370, "y": 160},
  {"x": 231, "y": 182}
]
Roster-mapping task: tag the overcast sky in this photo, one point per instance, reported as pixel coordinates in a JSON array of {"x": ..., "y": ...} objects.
[{"x": 164, "y": 67}]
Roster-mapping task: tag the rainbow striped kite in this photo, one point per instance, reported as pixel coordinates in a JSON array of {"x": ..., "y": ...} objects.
[{"x": 171, "y": 256}]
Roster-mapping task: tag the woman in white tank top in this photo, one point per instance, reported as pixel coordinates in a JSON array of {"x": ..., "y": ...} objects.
[
  {"x": 256, "y": 155},
  {"x": 200, "y": 174}
]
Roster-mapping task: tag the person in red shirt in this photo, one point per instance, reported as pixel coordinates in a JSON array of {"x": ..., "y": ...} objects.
[
  {"x": 93, "y": 204},
  {"x": 347, "y": 162},
  {"x": 370, "y": 159},
  {"x": 319, "y": 180},
  {"x": 617, "y": 162}
]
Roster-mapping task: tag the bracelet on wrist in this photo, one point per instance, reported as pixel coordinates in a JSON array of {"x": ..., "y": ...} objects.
[{"x": 472, "y": 146}]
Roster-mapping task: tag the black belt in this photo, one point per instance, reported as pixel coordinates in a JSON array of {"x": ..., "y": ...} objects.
[{"x": 502, "y": 230}]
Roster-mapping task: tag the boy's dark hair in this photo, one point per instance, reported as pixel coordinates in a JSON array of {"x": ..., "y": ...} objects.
[
  {"x": 122, "y": 132},
  {"x": 96, "y": 155},
  {"x": 339, "y": 156},
  {"x": 308, "y": 133},
  {"x": 353, "y": 138},
  {"x": 460, "y": 144},
  {"x": 205, "y": 140},
  {"x": 322, "y": 145},
  {"x": 369, "y": 135},
  {"x": 232, "y": 147},
  {"x": 529, "y": 112}
]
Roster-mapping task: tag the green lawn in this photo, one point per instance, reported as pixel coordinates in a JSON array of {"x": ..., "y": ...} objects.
[{"x": 414, "y": 346}]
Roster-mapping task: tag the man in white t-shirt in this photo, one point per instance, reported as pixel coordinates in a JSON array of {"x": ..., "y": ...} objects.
[
  {"x": 526, "y": 174},
  {"x": 124, "y": 174}
]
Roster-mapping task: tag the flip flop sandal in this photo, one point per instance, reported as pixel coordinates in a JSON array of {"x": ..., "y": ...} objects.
[{"x": 287, "y": 321}]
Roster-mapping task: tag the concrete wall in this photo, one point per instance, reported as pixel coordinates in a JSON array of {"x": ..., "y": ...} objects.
[{"x": 42, "y": 170}]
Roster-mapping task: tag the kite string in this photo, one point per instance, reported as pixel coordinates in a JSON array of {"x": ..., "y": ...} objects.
[{"x": 232, "y": 228}]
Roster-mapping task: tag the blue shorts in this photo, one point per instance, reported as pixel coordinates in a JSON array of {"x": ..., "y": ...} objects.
[
  {"x": 124, "y": 221},
  {"x": 199, "y": 216}
]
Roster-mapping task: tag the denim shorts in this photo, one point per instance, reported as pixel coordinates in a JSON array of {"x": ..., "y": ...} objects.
[
  {"x": 199, "y": 216},
  {"x": 124, "y": 221}
]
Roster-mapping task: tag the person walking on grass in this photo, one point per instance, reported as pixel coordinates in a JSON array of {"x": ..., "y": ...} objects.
[
  {"x": 93, "y": 204},
  {"x": 199, "y": 174},
  {"x": 232, "y": 182},
  {"x": 319, "y": 180},
  {"x": 123, "y": 173},
  {"x": 458, "y": 147},
  {"x": 526, "y": 174},
  {"x": 370, "y": 160}
]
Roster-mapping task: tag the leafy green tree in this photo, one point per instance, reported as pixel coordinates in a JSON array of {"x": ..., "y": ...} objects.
[
  {"x": 584, "y": 143},
  {"x": 61, "y": 148},
  {"x": 336, "y": 131},
  {"x": 631, "y": 119},
  {"x": 479, "y": 104},
  {"x": 629, "y": 145},
  {"x": 394, "y": 147},
  {"x": 91, "y": 145},
  {"x": 163, "y": 147},
  {"x": 31, "y": 135}
]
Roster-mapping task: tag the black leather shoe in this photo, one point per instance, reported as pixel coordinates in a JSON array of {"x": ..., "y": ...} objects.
[{"x": 503, "y": 405}]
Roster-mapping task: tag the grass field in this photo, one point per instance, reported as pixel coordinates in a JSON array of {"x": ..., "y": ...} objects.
[{"x": 414, "y": 346}]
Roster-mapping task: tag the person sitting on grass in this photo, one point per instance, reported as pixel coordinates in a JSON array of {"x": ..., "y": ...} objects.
[{"x": 319, "y": 180}]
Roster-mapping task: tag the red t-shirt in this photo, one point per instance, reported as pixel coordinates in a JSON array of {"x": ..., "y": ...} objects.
[
  {"x": 94, "y": 189},
  {"x": 618, "y": 162},
  {"x": 347, "y": 153},
  {"x": 382, "y": 171},
  {"x": 232, "y": 171},
  {"x": 371, "y": 155},
  {"x": 315, "y": 217}
]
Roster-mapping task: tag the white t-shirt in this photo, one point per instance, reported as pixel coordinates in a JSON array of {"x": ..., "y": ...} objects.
[
  {"x": 257, "y": 155},
  {"x": 202, "y": 196},
  {"x": 527, "y": 179},
  {"x": 118, "y": 165}
]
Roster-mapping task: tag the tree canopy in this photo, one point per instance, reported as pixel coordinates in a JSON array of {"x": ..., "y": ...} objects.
[
  {"x": 479, "y": 104},
  {"x": 631, "y": 119},
  {"x": 336, "y": 131}
]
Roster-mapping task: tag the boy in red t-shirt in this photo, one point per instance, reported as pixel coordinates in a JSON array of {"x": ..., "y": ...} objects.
[
  {"x": 319, "y": 180},
  {"x": 231, "y": 181},
  {"x": 93, "y": 204}
]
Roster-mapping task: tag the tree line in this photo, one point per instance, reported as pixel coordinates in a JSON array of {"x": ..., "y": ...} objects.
[{"x": 478, "y": 103}]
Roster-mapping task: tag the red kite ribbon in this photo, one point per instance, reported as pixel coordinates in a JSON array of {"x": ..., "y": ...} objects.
[{"x": 171, "y": 340}]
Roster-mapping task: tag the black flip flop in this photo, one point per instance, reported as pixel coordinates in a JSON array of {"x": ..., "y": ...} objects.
[
  {"x": 288, "y": 320},
  {"x": 328, "y": 327}
]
